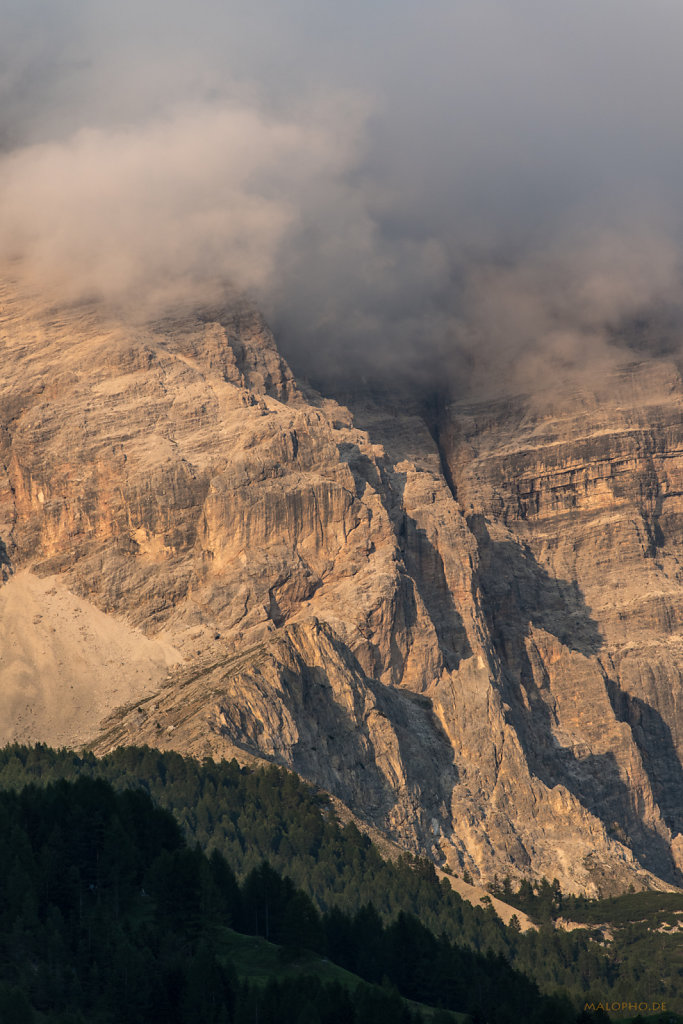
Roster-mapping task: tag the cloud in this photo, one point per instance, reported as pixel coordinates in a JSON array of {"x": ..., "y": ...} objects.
[
  {"x": 569, "y": 306},
  {"x": 166, "y": 212},
  {"x": 450, "y": 190}
]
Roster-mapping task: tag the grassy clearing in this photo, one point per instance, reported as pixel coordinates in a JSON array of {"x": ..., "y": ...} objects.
[{"x": 258, "y": 961}]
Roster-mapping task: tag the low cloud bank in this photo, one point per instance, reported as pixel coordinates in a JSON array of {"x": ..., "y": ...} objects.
[{"x": 467, "y": 193}]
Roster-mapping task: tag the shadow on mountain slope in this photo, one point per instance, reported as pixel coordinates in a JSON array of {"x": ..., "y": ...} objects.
[
  {"x": 423, "y": 562},
  {"x": 517, "y": 593},
  {"x": 5, "y": 563},
  {"x": 657, "y": 749}
]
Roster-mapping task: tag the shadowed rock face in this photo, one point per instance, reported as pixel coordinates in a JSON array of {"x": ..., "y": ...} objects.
[
  {"x": 588, "y": 489},
  {"x": 472, "y": 641}
]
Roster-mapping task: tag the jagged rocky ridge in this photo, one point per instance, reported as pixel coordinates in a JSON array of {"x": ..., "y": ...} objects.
[{"x": 463, "y": 621}]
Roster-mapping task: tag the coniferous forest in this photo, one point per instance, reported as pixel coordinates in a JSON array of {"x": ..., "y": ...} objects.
[{"x": 114, "y": 909}]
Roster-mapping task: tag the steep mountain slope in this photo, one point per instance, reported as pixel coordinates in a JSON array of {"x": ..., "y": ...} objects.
[
  {"x": 579, "y": 507},
  {"x": 65, "y": 664},
  {"x": 468, "y": 632}
]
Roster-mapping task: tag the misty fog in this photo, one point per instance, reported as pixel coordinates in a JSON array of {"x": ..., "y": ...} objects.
[{"x": 451, "y": 190}]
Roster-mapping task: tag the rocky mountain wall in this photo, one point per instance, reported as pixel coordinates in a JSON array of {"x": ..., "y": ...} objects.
[{"x": 468, "y": 631}]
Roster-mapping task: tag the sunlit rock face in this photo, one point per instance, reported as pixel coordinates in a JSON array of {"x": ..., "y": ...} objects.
[
  {"x": 577, "y": 499},
  {"x": 465, "y": 625}
]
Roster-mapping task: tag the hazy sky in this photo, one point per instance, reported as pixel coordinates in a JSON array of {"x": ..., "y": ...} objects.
[{"x": 396, "y": 184}]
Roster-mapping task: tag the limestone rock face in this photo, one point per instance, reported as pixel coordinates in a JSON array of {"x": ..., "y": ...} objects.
[
  {"x": 576, "y": 503},
  {"x": 469, "y": 633}
]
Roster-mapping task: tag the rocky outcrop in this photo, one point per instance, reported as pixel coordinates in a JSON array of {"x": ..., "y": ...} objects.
[
  {"x": 467, "y": 632},
  {"x": 576, "y": 500}
]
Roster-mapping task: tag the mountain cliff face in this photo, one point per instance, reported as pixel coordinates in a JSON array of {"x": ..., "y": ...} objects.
[{"x": 466, "y": 623}]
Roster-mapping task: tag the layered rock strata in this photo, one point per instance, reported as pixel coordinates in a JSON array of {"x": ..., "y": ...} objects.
[{"x": 466, "y": 628}]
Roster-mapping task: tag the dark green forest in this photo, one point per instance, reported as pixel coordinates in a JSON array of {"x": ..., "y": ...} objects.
[
  {"x": 261, "y": 853},
  {"x": 108, "y": 915}
]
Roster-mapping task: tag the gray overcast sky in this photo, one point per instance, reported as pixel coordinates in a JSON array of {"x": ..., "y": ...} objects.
[{"x": 386, "y": 179}]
